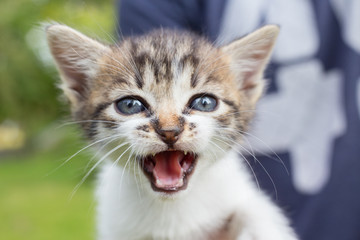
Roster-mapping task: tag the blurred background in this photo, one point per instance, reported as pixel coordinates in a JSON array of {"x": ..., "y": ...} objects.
[{"x": 37, "y": 193}]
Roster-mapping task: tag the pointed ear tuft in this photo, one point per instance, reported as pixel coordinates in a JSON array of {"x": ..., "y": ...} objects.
[
  {"x": 76, "y": 57},
  {"x": 248, "y": 58}
]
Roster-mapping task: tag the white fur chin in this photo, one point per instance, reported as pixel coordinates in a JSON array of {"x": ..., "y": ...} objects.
[{"x": 128, "y": 209}]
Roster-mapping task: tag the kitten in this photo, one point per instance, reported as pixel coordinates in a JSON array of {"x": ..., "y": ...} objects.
[{"x": 167, "y": 111}]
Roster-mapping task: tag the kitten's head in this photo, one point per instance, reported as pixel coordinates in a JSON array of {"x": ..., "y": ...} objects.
[{"x": 168, "y": 103}]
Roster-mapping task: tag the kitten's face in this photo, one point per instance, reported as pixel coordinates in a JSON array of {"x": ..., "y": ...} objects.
[{"x": 170, "y": 104}]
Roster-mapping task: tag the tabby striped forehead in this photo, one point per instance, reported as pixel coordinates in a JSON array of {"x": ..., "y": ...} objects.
[
  {"x": 166, "y": 71},
  {"x": 161, "y": 59}
]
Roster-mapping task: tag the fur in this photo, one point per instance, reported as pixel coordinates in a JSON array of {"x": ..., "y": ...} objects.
[{"x": 166, "y": 70}]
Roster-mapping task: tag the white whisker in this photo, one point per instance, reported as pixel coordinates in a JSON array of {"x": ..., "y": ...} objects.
[
  {"x": 93, "y": 167},
  {"x": 242, "y": 134},
  {"x": 85, "y": 121},
  {"x": 247, "y": 162},
  {"x": 116, "y": 137},
  {"x": 79, "y": 151},
  {"x": 127, "y": 162},
  {"x": 269, "y": 148}
]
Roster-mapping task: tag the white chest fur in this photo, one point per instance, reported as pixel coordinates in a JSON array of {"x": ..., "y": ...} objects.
[{"x": 127, "y": 211}]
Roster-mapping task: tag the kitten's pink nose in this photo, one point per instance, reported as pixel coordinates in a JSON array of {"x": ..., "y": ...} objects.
[{"x": 169, "y": 136}]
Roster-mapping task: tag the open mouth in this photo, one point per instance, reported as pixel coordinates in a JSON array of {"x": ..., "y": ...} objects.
[{"x": 169, "y": 171}]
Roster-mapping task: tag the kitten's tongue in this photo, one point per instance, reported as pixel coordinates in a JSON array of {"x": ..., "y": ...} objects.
[{"x": 167, "y": 171}]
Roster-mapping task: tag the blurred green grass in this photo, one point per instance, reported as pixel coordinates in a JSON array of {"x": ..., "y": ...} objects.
[
  {"x": 36, "y": 194},
  {"x": 35, "y": 200}
]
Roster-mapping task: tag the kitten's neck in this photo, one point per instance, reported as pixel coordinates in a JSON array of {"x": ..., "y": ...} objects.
[{"x": 220, "y": 189}]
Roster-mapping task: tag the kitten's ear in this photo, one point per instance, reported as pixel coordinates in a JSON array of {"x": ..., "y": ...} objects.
[
  {"x": 76, "y": 57},
  {"x": 248, "y": 58}
]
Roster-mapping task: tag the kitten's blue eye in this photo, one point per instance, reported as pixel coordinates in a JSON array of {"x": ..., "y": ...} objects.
[
  {"x": 129, "y": 106},
  {"x": 204, "y": 103}
]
